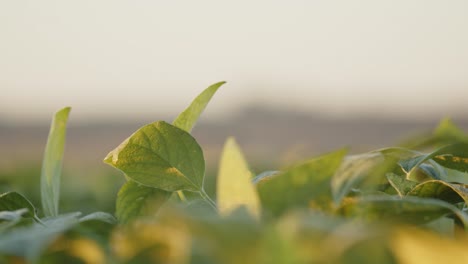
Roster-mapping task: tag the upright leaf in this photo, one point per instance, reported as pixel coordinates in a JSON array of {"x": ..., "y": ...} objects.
[
  {"x": 52, "y": 163},
  {"x": 187, "y": 119},
  {"x": 135, "y": 200},
  {"x": 307, "y": 185},
  {"x": 234, "y": 185},
  {"x": 162, "y": 156}
]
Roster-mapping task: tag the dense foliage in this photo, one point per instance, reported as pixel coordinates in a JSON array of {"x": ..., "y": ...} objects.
[{"x": 404, "y": 204}]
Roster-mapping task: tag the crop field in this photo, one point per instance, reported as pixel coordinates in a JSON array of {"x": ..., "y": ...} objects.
[{"x": 400, "y": 204}]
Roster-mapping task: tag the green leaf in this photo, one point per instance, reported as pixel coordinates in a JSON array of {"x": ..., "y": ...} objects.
[
  {"x": 187, "y": 119},
  {"x": 135, "y": 200},
  {"x": 445, "y": 133},
  {"x": 12, "y": 201},
  {"x": 352, "y": 171},
  {"x": 448, "y": 132},
  {"x": 234, "y": 186},
  {"x": 99, "y": 216},
  {"x": 52, "y": 163},
  {"x": 400, "y": 184},
  {"x": 30, "y": 241},
  {"x": 449, "y": 192},
  {"x": 162, "y": 156},
  {"x": 453, "y": 156},
  {"x": 306, "y": 185},
  {"x": 408, "y": 209}
]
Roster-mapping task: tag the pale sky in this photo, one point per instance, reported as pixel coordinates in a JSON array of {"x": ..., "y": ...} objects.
[{"x": 140, "y": 58}]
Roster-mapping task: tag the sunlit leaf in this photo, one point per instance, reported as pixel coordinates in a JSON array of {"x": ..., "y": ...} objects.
[
  {"x": 52, "y": 163},
  {"x": 135, "y": 200},
  {"x": 417, "y": 246},
  {"x": 162, "y": 156},
  {"x": 145, "y": 242},
  {"x": 306, "y": 185},
  {"x": 234, "y": 185},
  {"x": 448, "y": 132},
  {"x": 187, "y": 119}
]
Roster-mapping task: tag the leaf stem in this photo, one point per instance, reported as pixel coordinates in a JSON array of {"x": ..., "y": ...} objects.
[
  {"x": 207, "y": 198},
  {"x": 182, "y": 196}
]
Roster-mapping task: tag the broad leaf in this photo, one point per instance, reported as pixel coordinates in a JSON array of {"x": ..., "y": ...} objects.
[
  {"x": 401, "y": 184},
  {"x": 12, "y": 201},
  {"x": 451, "y": 193},
  {"x": 9, "y": 219},
  {"x": 408, "y": 209},
  {"x": 447, "y": 132},
  {"x": 162, "y": 156},
  {"x": 453, "y": 156},
  {"x": 135, "y": 200},
  {"x": 52, "y": 163},
  {"x": 187, "y": 119},
  {"x": 99, "y": 216},
  {"x": 29, "y": 242},
  {"x": 234, "y": 185},
  {"x": 351, "y": 172},
  {"x": 412, "y": 245},
  {"x": 306, "y": 185}
]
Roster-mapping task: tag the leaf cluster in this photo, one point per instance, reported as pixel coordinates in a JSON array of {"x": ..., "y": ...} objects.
[{"x": 405, "y": 204}]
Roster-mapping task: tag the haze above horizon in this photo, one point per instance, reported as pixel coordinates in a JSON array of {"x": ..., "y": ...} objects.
[{"x": 122, "y": 59}]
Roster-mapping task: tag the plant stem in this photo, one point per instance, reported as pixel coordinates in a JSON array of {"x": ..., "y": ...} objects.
[{"x": 207, "y": 198}]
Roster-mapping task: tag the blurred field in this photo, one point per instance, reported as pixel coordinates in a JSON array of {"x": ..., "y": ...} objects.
[{"x": 269, "y": 138}]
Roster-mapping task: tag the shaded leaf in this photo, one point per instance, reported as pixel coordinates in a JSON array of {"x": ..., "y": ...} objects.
[
  {"x": 52, "y": 163},
  {"x": 135, "y": 200},
  {"x": 8, "y": 219},
  {"x": 401, "y": 184},
  {"x": 408, "y": 209},
  {"x": 99, "y": 216},
  {"x": 453, "y": 156},
  {"x": 451, "y": 193},
  {"x": 353, "y": 169},
  {"x": 162, "y": 156},
  {"x": 12, "y": 201},
  {"x": 234, "y": 186},
  {"x": 187, "y": 119},
  {"x": 306, "y": 185},
  {"x": 29, "y": 242}
]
